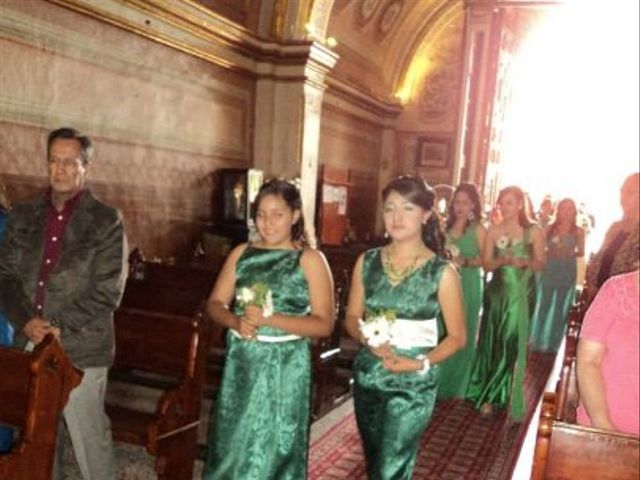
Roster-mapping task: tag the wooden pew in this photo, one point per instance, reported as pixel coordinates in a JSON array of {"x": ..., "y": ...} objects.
[
  {"x": 568, "y": 397},
  {"x": 568, "y": 451},
  {"x": 167, "y": 351},
  {"x": 34, "y": 389}
]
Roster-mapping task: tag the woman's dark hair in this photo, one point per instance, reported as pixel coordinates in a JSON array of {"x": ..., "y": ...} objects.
[
  {"x": 86, "y": 148},
  {"x": 472, "y": 192},
  {"x": 416, "y": 191},
  {"x": 574, "y": 223},
  {"x": 291, "y": 196},
  {"x": 523, "y": 216}
]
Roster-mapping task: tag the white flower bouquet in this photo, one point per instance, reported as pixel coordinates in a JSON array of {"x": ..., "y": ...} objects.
[
  {"x": 376, "y": 328},
  {"x": 503, "y": 242},
  {"x": 259, "y": 295}
]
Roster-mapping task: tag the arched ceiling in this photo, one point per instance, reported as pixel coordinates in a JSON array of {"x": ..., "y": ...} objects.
[
  {"x": 383, "y": 44},
  {"x": 387, "y": 48}
]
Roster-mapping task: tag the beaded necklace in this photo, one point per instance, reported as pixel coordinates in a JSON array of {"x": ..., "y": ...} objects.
[{"x": 396, "y": 277}]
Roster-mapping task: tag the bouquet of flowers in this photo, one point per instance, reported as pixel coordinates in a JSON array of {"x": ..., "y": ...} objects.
[
  {"x": 259, "y": 295},
  {"x": 503, "y": 242},
  {"x": 376, "y": 328}
]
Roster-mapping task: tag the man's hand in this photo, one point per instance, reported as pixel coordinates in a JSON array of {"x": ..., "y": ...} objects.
[{"x": 36, "y": 329}]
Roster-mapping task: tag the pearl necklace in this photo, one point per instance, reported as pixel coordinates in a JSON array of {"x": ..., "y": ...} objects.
[{"x": 396, "y": 277}]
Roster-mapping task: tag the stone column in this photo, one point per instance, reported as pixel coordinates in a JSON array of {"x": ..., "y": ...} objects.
[
  {"x": 288, "y": 103},
  {"x": 387, "y": 172},
  {"x": 477, "y": 93}
]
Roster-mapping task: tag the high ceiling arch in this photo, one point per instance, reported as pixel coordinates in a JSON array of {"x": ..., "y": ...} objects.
[{"x": 382, "y": 43}]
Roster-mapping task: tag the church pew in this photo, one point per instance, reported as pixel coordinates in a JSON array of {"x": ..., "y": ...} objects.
[
  {"x": 565, "y": 450},
  {"x": 568, "y": 451},
  {"x": 568, "y": 397},
  {"x": 169, "y": 351},
  {"x": 34, "y": 389},
  {"x": 183, "y": 291}
]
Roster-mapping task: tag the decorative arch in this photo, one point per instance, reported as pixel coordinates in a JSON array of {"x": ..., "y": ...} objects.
[
  {"x": 317, "y": 22},
  {"x": 415, "y": 66}
]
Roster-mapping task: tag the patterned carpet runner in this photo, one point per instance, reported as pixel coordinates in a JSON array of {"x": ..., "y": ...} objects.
[{"x": 459, "y": 444}]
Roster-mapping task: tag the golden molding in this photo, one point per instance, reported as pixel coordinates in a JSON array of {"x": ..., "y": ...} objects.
[{"x": 190, "y": 28}]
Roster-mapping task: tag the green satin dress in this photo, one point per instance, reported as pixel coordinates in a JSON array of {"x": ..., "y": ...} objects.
[
  {"x": 260, "y": 425},
  {"x": 393, "y": 410},
  {"x": 556, "y": 293},
  {"x": 498, "y": 370},
  {"x": 455, "y": 370}
]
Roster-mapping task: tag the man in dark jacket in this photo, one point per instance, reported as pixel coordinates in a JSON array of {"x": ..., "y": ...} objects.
[{"x": 62, "y": 271}]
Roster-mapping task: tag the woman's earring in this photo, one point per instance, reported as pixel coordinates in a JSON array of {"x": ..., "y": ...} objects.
[{"x": 386, "y": 234}]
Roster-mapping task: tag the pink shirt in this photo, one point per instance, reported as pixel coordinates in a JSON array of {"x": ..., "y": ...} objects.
[{"x": 613, "y": 320}]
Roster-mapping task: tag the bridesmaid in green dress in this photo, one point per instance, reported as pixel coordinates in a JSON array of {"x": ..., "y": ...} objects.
[
  {"x": 557, "y": 285},
  {"x": 283, "y": 296},
  {"x": 513, "y": 251},
  {"x": 410, "y": 299},
  {"x": 465, "y": 241}
]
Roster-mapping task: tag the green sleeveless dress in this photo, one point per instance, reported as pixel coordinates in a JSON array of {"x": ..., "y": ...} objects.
[
  {"x": 260, "y": 425},
  {"x": 556, "y": 292},
  {"x": 455, "y": 370},
  {"x": 393, "y": 410},
  {"x": 498, "y": 370}
]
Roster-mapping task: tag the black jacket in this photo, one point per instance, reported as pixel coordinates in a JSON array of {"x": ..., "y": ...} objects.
[{"x": 85, "y": 286}]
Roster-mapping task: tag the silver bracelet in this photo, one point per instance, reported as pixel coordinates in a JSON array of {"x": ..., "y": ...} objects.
[{"x": 426, "y": 364}]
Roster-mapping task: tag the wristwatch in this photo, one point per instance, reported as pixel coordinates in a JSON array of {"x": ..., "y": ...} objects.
[{"x": 426, "y": 364}]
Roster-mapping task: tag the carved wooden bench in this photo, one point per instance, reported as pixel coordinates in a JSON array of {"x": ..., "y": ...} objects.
[
  {"x": 568, "y": 451},
  {"x": 167, "y": 352},
  {"x": 34, "y": 390}
]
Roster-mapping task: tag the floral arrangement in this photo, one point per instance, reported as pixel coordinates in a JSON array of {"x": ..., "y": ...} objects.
[
  {"x": 376, "y": 328},
  {"x": 503, "y": 242},
  {"x": 259, "y": 295}
]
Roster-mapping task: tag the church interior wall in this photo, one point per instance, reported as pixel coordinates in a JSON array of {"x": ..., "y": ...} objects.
[
  {"x": 353, "y": 144},
  {"x": 162, "y": 121}
]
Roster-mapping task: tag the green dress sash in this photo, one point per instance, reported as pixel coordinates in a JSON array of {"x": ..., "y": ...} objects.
[
  {"x": 498, "y": 370},
  {"x": 393, "y": 410},
  {"x": 455, "y": 370},
  {"x": 260, "y": 424}
]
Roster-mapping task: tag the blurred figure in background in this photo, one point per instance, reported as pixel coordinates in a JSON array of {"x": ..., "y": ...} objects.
[
  {"x": 545, "y": 212},
  {"x": 465, "y": 241},
  {"x": 619, "y": 251},
  {"x": 565, "y": 242}
]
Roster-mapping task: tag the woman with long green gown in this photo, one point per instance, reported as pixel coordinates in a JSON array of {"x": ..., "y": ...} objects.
[
  {"x": 283, "y": 295},
  {"x": 557, "y": 284},
  {"x": 514, "y": 250},
  {"x": 465, "y": 240},
  {"x": 405, "y": 308}
]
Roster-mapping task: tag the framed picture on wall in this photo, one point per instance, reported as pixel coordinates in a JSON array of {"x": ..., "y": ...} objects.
[{"x": 433, "y": 151}]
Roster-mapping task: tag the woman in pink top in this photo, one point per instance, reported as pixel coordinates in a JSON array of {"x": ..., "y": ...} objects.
[{"x": 609, "y": 359}]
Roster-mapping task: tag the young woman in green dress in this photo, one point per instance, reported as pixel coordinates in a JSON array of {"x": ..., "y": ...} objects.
[
  {"x": 465, "y": 241},
  {"x": 557, "y": 283},
  {"x": 283, "y": 296},
  {"x": 513, "y": 251},
  {"x": 405, "y": 309}
]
